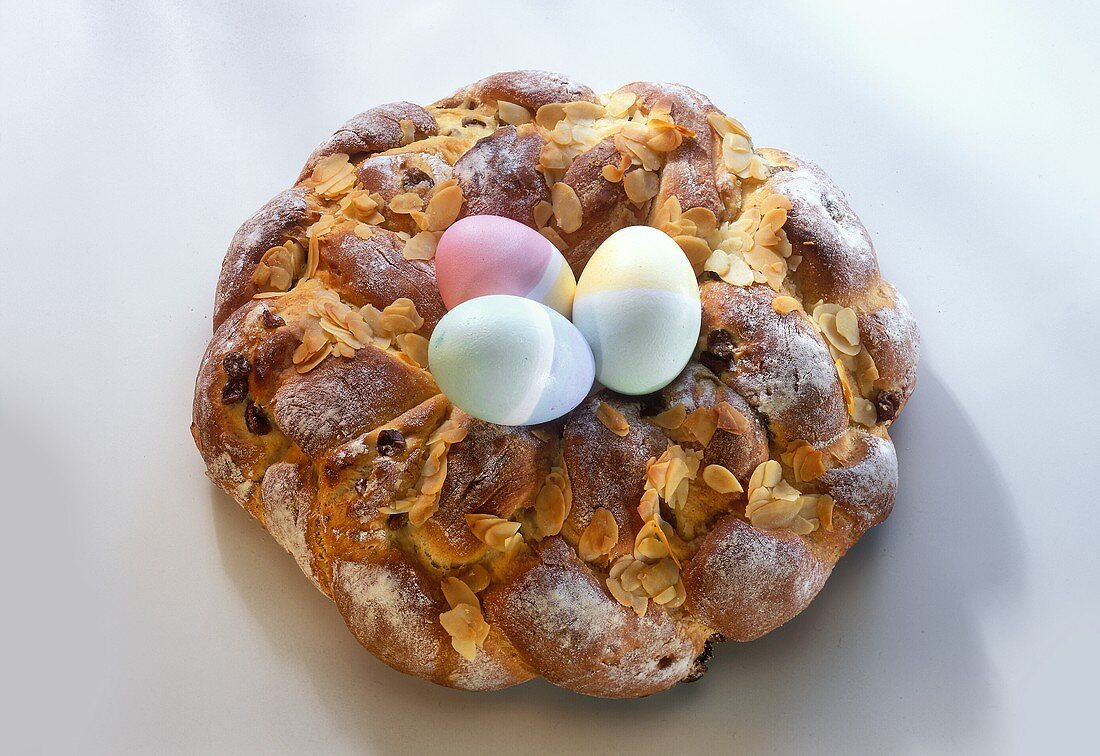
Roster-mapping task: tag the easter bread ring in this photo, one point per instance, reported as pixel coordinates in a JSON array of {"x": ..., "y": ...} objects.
[{"x": 607, "y": 550}]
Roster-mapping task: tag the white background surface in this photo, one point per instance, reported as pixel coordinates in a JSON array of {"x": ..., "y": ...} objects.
[{"x": 144, "y": 612}]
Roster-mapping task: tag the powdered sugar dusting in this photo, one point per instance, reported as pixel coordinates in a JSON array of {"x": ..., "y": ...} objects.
[
  {"x": 531, "y": 89},
  {"x": 498, "y": 177},
  {"x": 606, "y": 470},
  {"x": 485, "y": 672},
  {"x": 560, "y": 616},
  {"x": 807, "y": 192},
  {"x": 745, "y": 582},
  {"x": 893, "y": 341},
  {"x": 389, "y": 614},
  {"x": 229, "y": 477},
  {"x": 783, "y": 367},
  {"x": 268, "y": 226},
  {"x": 286, "y": 503},
  {"x": 897, "y": 321},
  {"x": 823, "y": 228},
  {"x": 376, "y": 129},
  {"x": 867, "y": 488},
  {"x": 386, "y": 607},
  {"x": 342, "y": 398}
]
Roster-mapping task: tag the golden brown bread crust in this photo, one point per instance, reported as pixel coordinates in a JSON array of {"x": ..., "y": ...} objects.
[
  {"x": 529, "y": 89},
  {"x": 603, "y": 201},
  {"x": 606, "y": 550},
  {"x": 495, "y": 470},
  {"x": 236, "y": 458},
  {"x": 286, "y": 215},
  {"x": 287, "y": 499},
  {"x": 838, "y": 259},
  {"x": 401, "y": 173},
  {"x": 744, "y": 583},
  {"x": 498, "y": 175},
  {"x": 779, "y": 364},
  {"x": 381, "y": 128},
  {"x": 608, "y": 471},
  {"x": 393, "y": 609},
  {"x": 373, "y": 271},
  {"x": 839, "y": 265},
  {"x": 689, "y": 173},
  {"x": 338, "y": 400},
  {"x": 697, "y": 387},
  {"x": 865, "y": 482},
  {"x": 559, "y": 615}
]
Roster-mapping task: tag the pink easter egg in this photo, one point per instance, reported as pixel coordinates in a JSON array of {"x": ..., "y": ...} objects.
[{"x": 485, "y": 254}]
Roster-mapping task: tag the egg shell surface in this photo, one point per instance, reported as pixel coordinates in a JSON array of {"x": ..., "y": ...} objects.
[
  {"x": 485, "y": 254},
  {"x": 509, "y": 360},
  {"x": 637, "y": 304}
]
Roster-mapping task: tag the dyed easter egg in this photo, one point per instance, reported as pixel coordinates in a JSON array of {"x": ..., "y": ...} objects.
[
  {"x": 510, "y": 360},
  {"x": 486, "y": 254},
  {"x": 637, "y": 304}
]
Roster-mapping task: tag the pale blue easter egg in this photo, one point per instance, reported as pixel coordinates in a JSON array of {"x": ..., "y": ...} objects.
[
  {"x": 509, "y": 360},
  {"x": 637, "y": 304}
]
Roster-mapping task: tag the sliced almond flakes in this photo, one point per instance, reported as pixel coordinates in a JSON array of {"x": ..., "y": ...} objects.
[
  {"x": 695, "y": 249},
  {"x": 421, "y": 247},
  {"x": 332, "y": 176},
  {"x": 415, "y": 346},
  {"x": 672, "y": 418},
  {"x": 864, "y": 412},
  {"x": 406, "y": 203},
  {"x": 567, "y": 207},
  {"x": 543, "y": 212},
  {"x": 554, "y": 238},
  {"x": 493, "y": 531},
  {"x": 553, "y": 503},
  {"x": 513, "y": 114},
  {"x": 612, "y": 419},
  {"x": 599, "y": 537},
  {"x": 721, "y": 479},
  {"x": 475, "y": 576},
  {"x": 704, "y": 220},
  {"x": 444, "y": 207},
  {"x": 640, "y": 185},
  {"x": 785, "y": 304},
  {"x": 731, "y": 420},
  {"x": 807, "y": 462},
  {"x": 702, "y": 423},
  {"x": 456, "y": 592},
  {"x": 465, "y": 622},
  {"x": 279, "y": 267}
]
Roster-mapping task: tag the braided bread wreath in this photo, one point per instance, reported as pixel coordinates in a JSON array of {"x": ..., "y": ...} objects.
[{"x": 604, "y": 551}]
